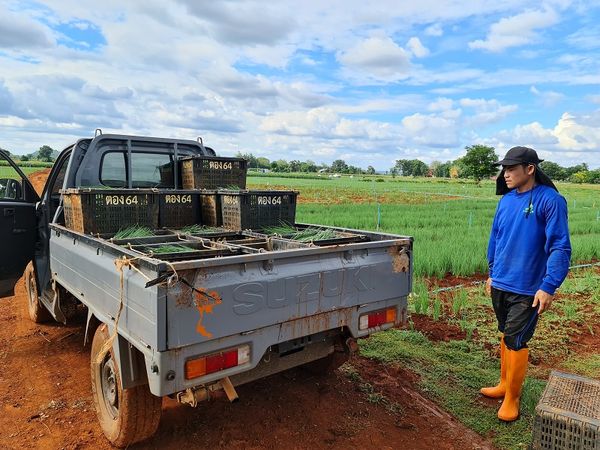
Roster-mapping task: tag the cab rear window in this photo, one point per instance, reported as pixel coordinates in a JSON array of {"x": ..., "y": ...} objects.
[{"x": 148, "y": 170}]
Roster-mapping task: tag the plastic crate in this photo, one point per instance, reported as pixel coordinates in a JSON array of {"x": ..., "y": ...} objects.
[
  {"x": 210, "y": 202},
  {"x": 109, "y": 210},
  {"x": 213, "y": 172},
  {"x": 568, "y": 414},
  {"x": 178, "y": 208},
  {"x": 166, "y": 175},
  {"x": 256, "y": 210}
]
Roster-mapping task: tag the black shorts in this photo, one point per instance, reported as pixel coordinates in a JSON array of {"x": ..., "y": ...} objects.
[{"x": 516, "y": 317}]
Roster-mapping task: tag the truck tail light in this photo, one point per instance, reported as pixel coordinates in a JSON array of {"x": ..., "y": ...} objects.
[
  {"x": 377, "y": 318},
  {"x": 205, "y": 365}
]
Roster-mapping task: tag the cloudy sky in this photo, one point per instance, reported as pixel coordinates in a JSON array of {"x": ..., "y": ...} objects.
[{"x": 369, "y": 82}]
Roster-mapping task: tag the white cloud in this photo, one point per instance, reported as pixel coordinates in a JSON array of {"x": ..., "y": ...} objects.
[
  {"x": 594, "y": 99},
  {"x": 324, "y": 151},
  {"x": 547, "y": 98},
  {"x": 432, "y": 130},
  {"x": 516, "y": 30},
  {"x": 19, "y": 32},
  {"x": 321, "y": 80},
  {"x": 417, "y": 48},
  {"x": 379, "y": 57},
  {"x": 574, "y": 138},
  {"x": 308, "y": 61},
  {"x": 533, "y": 134},
  {"x": 393, "y": 104},
  {"x": 324, "y": 123},
  {"x": 245, "y": 24},
  {"x": 486, "y": 111},
  {"x": 270, "y": 55},
  {"x": 579, "y": 133},
  {"x": 441, "y": 104},
  {"x": 585, "y": 38},
  {"x": 434, "y": 30}
]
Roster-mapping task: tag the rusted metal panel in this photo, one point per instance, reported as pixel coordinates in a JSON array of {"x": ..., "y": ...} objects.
[{"x": 240, "y": 298}]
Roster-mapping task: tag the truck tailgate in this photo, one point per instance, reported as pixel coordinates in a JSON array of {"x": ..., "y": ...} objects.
[{"x": 213, "y": 302}]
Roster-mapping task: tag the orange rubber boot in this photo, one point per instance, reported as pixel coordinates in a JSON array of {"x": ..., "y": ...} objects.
[
  {"x": 499, "y": 390},
  {"x": 515, "y": 375}
]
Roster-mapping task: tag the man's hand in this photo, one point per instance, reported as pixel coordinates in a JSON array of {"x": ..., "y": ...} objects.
[
  {"x": 488, "y": 286},
  {"x": 543, "y": 300}
]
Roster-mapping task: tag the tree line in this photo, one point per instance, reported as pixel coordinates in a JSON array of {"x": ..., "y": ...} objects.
[
  {"x": 308, "y": 166},
  {"x": 478, "y": 164},
  {"x": 44, "y": 154}
]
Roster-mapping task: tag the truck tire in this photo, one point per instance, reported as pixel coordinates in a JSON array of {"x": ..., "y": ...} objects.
[
  {"x": 126, "y": 416},
  {"x": 37, "y": 311}
]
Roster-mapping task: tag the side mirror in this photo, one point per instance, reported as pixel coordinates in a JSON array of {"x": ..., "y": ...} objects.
[{"x": 10, "y": 189}]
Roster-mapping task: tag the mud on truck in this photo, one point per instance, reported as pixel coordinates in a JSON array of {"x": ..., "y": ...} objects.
[{"x": 236, "y": 306}]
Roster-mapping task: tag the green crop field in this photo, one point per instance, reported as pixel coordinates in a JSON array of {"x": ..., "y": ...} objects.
[
  {"x": 9, "y": 172},
  {"x": 451, "y": 337},
  {"x": 449, "y": 219}
]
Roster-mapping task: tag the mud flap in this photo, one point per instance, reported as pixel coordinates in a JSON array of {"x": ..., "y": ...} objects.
[{"x": 131, "y": 363}]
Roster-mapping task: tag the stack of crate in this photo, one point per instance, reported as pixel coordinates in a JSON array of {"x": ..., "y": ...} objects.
[
  {"x": 100, "y": 210},
  {"x": 214, "y": 194},
  {"x": 225, "y": 200},
  {"x": 208, "y": 174}
]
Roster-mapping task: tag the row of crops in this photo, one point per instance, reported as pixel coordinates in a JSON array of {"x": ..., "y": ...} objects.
[{"x": 450, "y": 221}]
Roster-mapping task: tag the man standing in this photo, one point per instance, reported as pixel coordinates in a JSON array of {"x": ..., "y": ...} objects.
[{"x": 528, "y": 254}]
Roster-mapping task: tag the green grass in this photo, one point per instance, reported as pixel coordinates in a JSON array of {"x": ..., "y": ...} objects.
[
  {"x": 451, "y": 373},
  {"x": 134, "y": 231},
  {"x": 573, "y": 312},
  {"x": 164, "y": 249},
  {"x": 306, "y": 235},
  {"x": 32, "y": 163},
  {"x": 449, "y": 219},
  {"x": 586, "y": 365},
  {"x": 9, "y": 172}
]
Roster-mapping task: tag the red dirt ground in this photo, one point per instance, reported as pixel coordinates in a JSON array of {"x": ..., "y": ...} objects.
[
  {"x": 345, "y": 195},
  {"x": 437, "y": 330},
  {"x": 450, "y": 280},
  {"x": 46, "y": 402},
  {"x": 38, "y": 179}
]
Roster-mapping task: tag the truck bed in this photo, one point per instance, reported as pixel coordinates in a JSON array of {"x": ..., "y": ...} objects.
[{"x": 233, "y": 288}]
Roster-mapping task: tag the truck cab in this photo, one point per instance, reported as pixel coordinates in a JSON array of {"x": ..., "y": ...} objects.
[{"x": 107, "y": 160}]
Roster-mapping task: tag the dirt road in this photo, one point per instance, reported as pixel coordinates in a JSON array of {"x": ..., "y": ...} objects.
[{"x": 45, "y": 402}]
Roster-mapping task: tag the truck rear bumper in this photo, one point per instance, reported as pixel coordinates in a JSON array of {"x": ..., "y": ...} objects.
[{"x": 272, "y": 349}]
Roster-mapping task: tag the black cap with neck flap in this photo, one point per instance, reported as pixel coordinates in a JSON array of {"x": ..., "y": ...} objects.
[{"x": 521, "y": 155}]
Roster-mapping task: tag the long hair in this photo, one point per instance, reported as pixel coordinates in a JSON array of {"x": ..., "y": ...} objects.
[{"x": 540, "y": 178}]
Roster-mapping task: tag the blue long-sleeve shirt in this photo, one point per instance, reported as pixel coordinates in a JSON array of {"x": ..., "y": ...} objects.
[{"x": 531, "y": 251}]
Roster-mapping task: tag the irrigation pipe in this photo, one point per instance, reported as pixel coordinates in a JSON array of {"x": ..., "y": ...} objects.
[{"x": 474, "y": 283}]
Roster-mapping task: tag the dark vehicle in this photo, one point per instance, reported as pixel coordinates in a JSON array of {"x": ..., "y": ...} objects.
[{"x": 197, "y": 324}]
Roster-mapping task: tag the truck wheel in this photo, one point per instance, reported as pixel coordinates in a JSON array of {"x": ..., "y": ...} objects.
[
  {"x": 126, "y": 416},
  {"x": 37, "y": 311}
]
